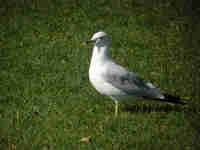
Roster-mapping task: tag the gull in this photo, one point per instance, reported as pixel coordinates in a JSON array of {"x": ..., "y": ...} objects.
[{"x": 115, "y": 81}]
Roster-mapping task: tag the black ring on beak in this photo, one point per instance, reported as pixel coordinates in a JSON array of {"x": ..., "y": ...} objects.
[{"x": 89, "y": 41}]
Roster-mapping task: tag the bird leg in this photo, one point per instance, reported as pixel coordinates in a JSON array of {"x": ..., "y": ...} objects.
[{"x": 116, "y": 108}]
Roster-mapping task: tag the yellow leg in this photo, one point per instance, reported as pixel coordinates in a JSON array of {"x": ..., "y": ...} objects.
[{"x": 116, "y": 108}]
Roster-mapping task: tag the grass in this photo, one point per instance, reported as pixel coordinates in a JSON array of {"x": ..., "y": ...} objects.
[{"x": 46, "y": 100}]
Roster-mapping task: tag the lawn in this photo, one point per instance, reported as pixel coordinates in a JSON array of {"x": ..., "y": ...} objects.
[{"x": 46, "y": 100}]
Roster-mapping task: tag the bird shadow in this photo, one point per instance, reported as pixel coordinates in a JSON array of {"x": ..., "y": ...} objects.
[{"x": 148, "y": 108}]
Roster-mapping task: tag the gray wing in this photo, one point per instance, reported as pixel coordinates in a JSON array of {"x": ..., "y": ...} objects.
[{"x": 129, "y": 82}]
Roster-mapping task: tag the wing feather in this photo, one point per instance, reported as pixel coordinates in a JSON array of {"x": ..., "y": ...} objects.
[{"x": 129, "y": 82}]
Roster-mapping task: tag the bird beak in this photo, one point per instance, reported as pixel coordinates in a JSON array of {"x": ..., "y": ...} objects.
[{"x": 89, "y": 41}]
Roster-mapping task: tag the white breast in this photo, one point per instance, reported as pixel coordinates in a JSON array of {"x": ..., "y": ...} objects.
[{"x": 99, "y": 83}]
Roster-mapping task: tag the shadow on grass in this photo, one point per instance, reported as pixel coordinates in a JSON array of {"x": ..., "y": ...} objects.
[{"x": 148, "y": 108}]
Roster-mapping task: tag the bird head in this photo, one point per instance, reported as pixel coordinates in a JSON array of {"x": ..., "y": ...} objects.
[{"x": 99, "y": 38}]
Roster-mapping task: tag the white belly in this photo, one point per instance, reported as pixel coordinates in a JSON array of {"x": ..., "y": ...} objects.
[
  {"x": 101, "y": 85},
  {"x": 104, "y": 88}
]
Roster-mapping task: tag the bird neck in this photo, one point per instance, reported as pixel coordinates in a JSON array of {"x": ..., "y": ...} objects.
[{"x": 100, "y": 53}]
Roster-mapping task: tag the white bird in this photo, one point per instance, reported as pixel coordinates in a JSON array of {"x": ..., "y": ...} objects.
[{"x": 111, "y": 79}]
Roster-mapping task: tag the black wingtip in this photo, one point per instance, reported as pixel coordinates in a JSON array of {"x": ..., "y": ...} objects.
[
  {"x": 170, "y": 99},
  {"x": 173, "y": 99}
]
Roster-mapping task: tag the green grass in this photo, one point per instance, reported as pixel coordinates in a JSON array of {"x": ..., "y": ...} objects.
[{"x": 46, "y": 100}]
